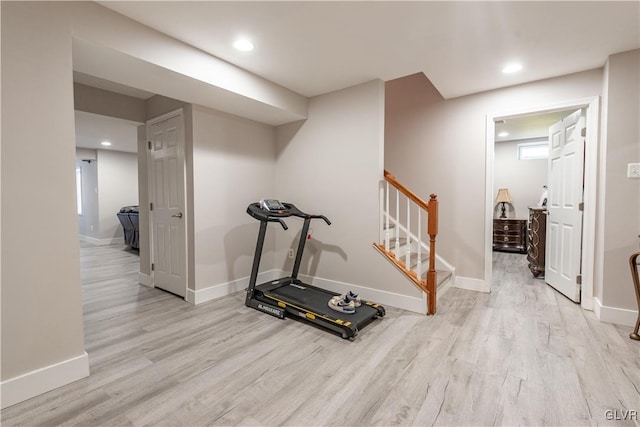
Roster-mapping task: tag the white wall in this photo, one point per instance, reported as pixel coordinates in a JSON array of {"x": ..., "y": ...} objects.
[
  {"x": 438, "y": 146},
  {"x": 331, "y": 164},
  {"x": 233, "y": 165},
  {"x": 523, "y": 178},
  {"x": 117, "y": 187}
]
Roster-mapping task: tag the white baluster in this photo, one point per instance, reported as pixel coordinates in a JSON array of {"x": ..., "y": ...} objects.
[
  {"x": 384, "y": 206},
  {"x": 407, "y": 256},
  {"x": 397, "y": 223},
  {"x": 419, "y": 265}
]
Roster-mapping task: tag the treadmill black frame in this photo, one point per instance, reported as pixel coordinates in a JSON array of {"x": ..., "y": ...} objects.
[{"x": 265, "y": 297}]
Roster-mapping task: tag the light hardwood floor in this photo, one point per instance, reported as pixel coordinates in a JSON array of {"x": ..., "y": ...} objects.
[{"x": 521, "y": 355}]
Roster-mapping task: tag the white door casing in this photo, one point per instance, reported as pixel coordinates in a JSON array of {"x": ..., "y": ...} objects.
[
  {"x": 167, "y": 198},
  {"x": 565, "y": 196}
]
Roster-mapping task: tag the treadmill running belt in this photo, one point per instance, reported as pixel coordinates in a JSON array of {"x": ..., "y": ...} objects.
[{"x": 317, "y": 301}]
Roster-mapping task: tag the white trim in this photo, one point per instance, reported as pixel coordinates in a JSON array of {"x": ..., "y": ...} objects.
[
  {"x": 404, "y": 302},
  {"x": 34, "y": 383},
  {"x": 589, "y": 250},
  {"x": 101, "y": 242},
  {"x": 218, "y": 291},
  {"x": 471, "y": 284},
  {"x": 619, "y": 316},
  {"x": 145, "y": 280}
]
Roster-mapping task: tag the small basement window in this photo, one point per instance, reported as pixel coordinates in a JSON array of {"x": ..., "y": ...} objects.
[
  {"x": 533, "y": 150},
  {"x": 79, "y": 190}
]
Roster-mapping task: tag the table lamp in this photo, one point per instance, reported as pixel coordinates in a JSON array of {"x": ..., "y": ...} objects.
[{"x": 503, "y": 197}]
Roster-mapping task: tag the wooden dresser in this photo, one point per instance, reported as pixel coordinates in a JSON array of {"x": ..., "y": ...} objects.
[
  {"x": 537, "y": 240},
  {"x": 510, "y": 235}
]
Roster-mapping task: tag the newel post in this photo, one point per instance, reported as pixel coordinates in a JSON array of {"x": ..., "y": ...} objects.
[{"x": 432, "y": 230}]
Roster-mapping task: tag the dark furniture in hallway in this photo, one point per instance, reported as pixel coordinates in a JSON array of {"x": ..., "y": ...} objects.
[
  {"x": 128, "y": 217},
  {"x": 537, "y": 240},
  {"x": 510, "y": 235}
]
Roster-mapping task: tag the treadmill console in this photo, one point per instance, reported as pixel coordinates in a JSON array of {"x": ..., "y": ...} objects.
[{"x": 271, "y": 205}]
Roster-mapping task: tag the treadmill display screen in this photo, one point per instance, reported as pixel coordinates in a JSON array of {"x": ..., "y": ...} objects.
[{"x": 271, "y": 205}]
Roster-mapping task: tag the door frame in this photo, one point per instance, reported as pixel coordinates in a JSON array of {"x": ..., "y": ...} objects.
[
  {"x": 151, "y": 189},
  {"x": 592, "y": 107}
]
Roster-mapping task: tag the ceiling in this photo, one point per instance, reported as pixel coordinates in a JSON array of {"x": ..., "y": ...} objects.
[
  {"x": 318, "y": 47},
  {"x": 529, "y": 126},
  {"x": 92, "y": 129}
]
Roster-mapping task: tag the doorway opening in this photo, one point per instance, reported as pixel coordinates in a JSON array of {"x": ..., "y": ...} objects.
[{"x": 496, "y": 178}]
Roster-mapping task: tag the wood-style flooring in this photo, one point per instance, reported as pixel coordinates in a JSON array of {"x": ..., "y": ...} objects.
[{"x": 521, "y": 355}]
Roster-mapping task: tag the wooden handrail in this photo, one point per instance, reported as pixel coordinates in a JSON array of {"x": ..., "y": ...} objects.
[{"x": 404, "y": 190}]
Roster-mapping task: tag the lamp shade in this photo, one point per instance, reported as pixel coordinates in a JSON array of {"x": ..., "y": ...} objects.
[{"x": 503, "y": 196}]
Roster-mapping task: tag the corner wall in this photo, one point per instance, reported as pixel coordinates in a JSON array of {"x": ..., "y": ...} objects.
[
  {"x": 233, "y": 165},
  {"x": 42, "y": 333},
  {"x": 438, "y": 146},
  {"x": 331, "y": 164},
  {"x": 619, "y": 222}
]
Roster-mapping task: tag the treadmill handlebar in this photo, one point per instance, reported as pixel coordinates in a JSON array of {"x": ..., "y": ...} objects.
[
  {"x": 257, "y": 212},
  {"x": 321, "y": 217}
]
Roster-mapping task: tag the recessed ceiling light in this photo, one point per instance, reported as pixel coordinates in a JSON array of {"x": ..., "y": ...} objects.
[
  {"x": 503, "y": 134},
  {"x": 243, "y": 45},
  {"x": 512, "y": 68},
  {"x": 105, "y": 143}
]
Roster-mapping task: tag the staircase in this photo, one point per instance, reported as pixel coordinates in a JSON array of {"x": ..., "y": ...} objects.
[{"x": 404, "y": 243}]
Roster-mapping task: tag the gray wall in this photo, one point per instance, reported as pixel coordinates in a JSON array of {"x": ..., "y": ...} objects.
[{"x": 117, "y": 187}]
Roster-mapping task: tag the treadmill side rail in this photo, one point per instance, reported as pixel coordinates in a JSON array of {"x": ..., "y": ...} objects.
[{"x": 267, "y": 308}]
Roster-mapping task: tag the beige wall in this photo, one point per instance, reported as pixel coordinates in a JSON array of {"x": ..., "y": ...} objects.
[
  {"x": 41, "y": 301},
  {"x": 331, "y": 164},
  {"x": 233, "y": 165},
  {"x": 620, "y": 198},
  {"x": 438, "y": 146},
  {"x": 523, "y": 178},
  {"x": 105, "y": 103}
]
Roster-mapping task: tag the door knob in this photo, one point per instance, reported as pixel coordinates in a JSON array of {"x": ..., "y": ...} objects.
[{"x": 178, "y": 215}]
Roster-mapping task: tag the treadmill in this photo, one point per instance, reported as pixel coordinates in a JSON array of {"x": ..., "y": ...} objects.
[{"x": 290, "y": 296}]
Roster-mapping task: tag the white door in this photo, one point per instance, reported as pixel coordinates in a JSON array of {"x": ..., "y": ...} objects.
[
  {"x": 167, "y": 186},
  {"x": 565, "y": 195}
]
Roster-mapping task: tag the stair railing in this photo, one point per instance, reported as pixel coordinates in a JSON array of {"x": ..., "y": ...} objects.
[{"x": 391, "y": 212}]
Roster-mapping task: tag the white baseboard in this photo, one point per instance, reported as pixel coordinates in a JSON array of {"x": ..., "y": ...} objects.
[
  {"x": 404, "y": 302},
  {"x": 145, "y": 279},
  {"x": 471, "y": 284},
  {"x": 221, "y": 290},
  {"x": 101, "y": 242},
  {"x": 34, "y": 383},
  {"x": 619, "y": 316}
]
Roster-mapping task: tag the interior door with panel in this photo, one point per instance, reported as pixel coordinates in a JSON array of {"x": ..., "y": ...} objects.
[
  {"x": 565, "y": 196},
  {"x": 167, "y": 182}
]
